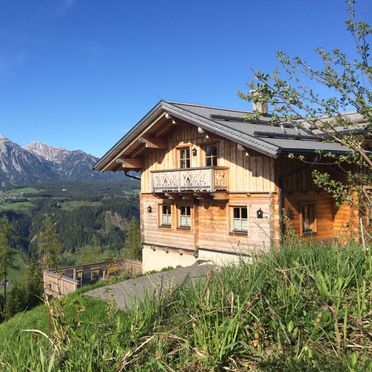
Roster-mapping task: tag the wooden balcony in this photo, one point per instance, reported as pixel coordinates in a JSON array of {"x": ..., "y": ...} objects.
[{"x": 190, "y": 180}]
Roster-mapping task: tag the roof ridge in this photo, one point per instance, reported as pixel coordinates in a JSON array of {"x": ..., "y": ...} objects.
[{"x": 206, "y": 106}]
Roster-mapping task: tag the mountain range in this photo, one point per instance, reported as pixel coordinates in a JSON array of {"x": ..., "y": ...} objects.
[{"x": 39, "y": 162}]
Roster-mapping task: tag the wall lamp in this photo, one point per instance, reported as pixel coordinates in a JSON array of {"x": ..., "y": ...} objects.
[
  {"x": 260, "y": 213},
  {"x": 194, "y": 152},
  {"x": 149, "y": 209}
]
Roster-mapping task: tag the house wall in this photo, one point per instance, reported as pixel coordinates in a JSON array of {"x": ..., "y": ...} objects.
[
  {"x": 210, "y": 236},
  {"x": 298, "y": 187},
  {"x": 253, "y": 173},
  {"x": 324, "y": 212},
  {"x": 251, "y": 184},
  {"x": 254, "y": 181}
]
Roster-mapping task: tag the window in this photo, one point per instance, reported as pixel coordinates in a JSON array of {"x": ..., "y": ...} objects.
[
  {"x": 211, "y": 154},
  {"x": 166, "y": 215},
  {"x": 184, "y": 157},
  {"x": 185, "y": 216},
  {"x": 240, "y": 219},
  {"x": 308, "y": 219}
]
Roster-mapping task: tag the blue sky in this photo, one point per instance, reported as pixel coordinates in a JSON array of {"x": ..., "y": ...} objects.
[{"x": 79, "y": 73}]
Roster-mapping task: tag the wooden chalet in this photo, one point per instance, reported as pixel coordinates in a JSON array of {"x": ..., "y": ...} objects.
[{"x": 213, "y": 183}]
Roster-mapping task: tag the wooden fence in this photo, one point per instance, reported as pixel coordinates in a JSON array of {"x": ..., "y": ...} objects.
[
  {"x": 62, "y": 281},
  {"x": 57, "y": 285}
]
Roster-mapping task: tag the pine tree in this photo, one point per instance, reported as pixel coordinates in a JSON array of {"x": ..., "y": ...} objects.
[
  {"x": 27, "y": 293},
  {"x": 49, "y": 245},
  {"x": 132, "y": 244},
  {"x": 90, "y": 253},
  {"x": 7, "y": 254}
]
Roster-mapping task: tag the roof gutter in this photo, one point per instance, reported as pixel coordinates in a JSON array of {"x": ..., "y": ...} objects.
[{"x": 310, "y": 151}]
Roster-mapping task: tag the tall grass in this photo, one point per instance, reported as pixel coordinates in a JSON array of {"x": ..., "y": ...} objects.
[{"x": 304, "y": 307}]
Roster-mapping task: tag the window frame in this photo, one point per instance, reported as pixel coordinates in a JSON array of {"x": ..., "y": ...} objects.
[
  {"x": 233, "y": 218},
  {"x": 313, "y": 225},
  {"x": 186, "y": 159},
  {"x": 179, "y": 217},
  {"x": 161, "y": 214},
  {"x": 211, "y": 157}
]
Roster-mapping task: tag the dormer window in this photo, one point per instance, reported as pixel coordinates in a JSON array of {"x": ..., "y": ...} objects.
[
  {"x": 184, "y": 154},
  {"x": 211, "y": 155}
]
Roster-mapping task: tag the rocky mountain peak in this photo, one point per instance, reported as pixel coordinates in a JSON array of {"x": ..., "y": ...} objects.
[
  {"x": 39, "y": 162},
  {"x": 45, "y": 151}
]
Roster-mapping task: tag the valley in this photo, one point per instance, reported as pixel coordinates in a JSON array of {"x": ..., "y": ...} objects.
[
  {"x": 91, "y": 219},
  {"x": 53, "y": 195}
]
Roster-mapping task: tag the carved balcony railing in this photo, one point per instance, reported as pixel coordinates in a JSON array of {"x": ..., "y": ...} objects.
[{"x": 191, "y": 180}]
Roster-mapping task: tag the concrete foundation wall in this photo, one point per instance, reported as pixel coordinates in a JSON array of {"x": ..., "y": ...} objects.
[
  {"x": 222, "y": 259},
  {"x": 159, "y": 259}
]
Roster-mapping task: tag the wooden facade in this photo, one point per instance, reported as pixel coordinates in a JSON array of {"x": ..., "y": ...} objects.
[
  {"x": 298, "y": 191},
  {"x": 248, "y": 171},
  {"x": 205, "y": 196},
  {"x": 254, "y": 181},
  {"x": 249, "y": 183}
]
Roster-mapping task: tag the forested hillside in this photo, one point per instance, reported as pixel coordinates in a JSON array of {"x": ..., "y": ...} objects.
[
  {"x": 90, "y": 221},
  {"x": 82, "y": 212}
]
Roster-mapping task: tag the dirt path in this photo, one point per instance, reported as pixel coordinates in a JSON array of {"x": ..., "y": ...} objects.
[{"x": 132, "y": 291}]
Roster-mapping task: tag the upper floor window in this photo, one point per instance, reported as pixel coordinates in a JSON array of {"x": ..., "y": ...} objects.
[
  {"x": 240, "y": 219},
  {"x": 165, "y": 215},
  {"x": 185, "y": 216},
  {"x": 308, "y": 219},
  {"x": 185, "y": 157},
  {"x": 211, "y": 154}
]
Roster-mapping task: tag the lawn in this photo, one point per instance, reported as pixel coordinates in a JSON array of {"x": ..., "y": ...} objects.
[
  {"x": 21, "y": 206},
  {"x": 23, "y": 190},
  {"x": 76, "y": 204},
  {"x": 301, "y": 308}
]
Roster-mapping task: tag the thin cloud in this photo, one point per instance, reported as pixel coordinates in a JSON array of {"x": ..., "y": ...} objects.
[{"x": 67, "y": 5}]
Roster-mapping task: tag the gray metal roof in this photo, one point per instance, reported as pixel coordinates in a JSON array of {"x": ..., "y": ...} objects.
[
  {"x": 302, "y": 143},
  {"x": 260, "y": 136}
]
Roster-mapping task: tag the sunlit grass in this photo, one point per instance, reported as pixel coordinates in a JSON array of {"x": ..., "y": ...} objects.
[{"x": 306, "y": 307}]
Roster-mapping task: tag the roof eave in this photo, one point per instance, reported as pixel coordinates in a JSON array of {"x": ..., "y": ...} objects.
[
  {"x": 200, "y": 121},
  {"x": 106, "y": 159},
  {"x": 286, "y": 151}
]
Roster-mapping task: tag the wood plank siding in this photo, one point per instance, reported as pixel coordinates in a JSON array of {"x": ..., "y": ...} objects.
[
  {"x": 248, "y": 171},
  {"x": 255, "y": 182},
  {"x": 299, "y": 189},
  {"x": 210, "y": 224},
  {"x": 250, "y": 184}
]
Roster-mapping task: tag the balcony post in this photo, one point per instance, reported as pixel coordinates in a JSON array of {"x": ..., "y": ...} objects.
[{"x": 212, "y": 180}]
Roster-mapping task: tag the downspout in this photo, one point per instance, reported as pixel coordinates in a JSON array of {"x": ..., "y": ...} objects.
[
  {"x": 132, "y": 176},
  {"x": 281, "y": 192}
]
